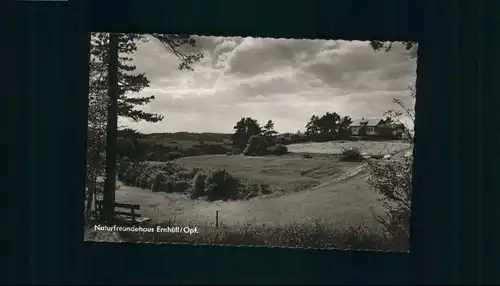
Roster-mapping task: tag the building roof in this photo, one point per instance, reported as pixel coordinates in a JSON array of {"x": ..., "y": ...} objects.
[{"x": 367, "y": 122}]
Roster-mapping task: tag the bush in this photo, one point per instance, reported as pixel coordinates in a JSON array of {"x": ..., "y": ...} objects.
[
  {"x": 263, "y": 145},
  {"x": 167, "y": 177},
  {"x": 160, "y": 182},
  {"x": 278, "y": 149},
  {"x": 221, "y": 185},
  {"x": 197, "y": 188},
  {"x": 393, "y": 180},
  {"x": 170, "y": 177},
  {"x": 257, "y": 146},
  {"x": 351, "y": 154},
  {"x": 168, "y": 184},
  {"x": 130, "y": 175}
]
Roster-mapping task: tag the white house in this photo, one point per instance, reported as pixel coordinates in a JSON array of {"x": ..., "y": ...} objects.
[{"x": 372, "y": 126}]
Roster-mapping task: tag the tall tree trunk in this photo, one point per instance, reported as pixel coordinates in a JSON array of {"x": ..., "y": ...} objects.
[
  {"x": 111, "y": 129},
  {"x": 91, "y": 186}
]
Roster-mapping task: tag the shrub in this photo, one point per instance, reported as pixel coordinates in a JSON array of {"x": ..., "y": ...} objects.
[
  {"x": 170, "y": 177},
  {"x": 278, "y": 149},
  {"x": 165, "y": 177},
  {"x": 130, "y": 175},
  {"x": 168, "y": 183},
  {"x": 160, "y": 182},
  {"x": 265, "y": 189},
  {"x": 221, "y": 185},
  {"x": 197, "y": 188},
  {"x": 256, "y": 146},
  {"x": 146, "y": 178},
  {"x": 351, "y": 154},
  {"x": 393, "y": 180}
]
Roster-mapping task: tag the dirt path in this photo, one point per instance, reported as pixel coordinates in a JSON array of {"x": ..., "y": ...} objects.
[{"x": 343, "y": 201}]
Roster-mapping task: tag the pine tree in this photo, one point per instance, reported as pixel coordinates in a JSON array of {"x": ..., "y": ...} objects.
[
  {"x": 268, "y": 129},
  {"x": 114, "y": 76},
  {"x": 245, "y": 128}
]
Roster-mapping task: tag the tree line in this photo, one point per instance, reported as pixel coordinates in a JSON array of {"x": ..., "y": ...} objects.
[{"x": 327, "y": 127}]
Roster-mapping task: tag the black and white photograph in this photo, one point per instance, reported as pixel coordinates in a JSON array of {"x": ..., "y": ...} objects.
[{"x": 245, "y": 141}]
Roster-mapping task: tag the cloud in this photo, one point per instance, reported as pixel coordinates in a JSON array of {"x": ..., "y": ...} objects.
[{"x": 285, "y": 80}]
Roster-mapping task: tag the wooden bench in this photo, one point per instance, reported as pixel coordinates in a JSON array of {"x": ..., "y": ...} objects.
[{"x": 129, "y": 212}]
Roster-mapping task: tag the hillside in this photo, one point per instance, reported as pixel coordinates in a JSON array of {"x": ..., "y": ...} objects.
[{"x": 188, "y": 136}]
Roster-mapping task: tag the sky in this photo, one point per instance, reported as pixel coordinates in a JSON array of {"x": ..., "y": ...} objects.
[{"x": 284, "y": 80}]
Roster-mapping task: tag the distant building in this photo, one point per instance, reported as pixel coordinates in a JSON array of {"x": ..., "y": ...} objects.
[{"x": 373, "y": 127}]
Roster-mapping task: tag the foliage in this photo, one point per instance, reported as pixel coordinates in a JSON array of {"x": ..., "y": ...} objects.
[
  {"x": 207, "y": 148},
  {"x": 123, "y": 165},
  {"x": 291, "y": 138},
  {"x": 257, "y": 146},
  {"x": 197, "y": 188},
  {"x": 395, "y": 116},
  {"x": 278, "y": 149},
  {"x": 128, "y": 144},
  {"x": 387, "y": 46},
  {"x": 170, "y": 177},
  {"x": 129, "y": 83},
  {"x": 152, "y": 149},
  {"x": 244, "y": 129},
  {"x": 406, "y": 133},
  {"x": 328, "y": 127},
  {"x": 221, "y": 185},
  {"x": 351, "y": 154},
  {"x": 268, "y": 129},
  {"x": 172, "y": 43},
  {"x": 166, "y": 177},
  {"x": 393, "y": 180}
]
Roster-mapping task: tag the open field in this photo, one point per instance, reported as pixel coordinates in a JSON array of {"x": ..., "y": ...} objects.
[
  {"x": 315, "y": 201},
  {"x": 289, "y": 173},
  {"x": 335, "y": 147},
  {"x": 318, "y": 188}
]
